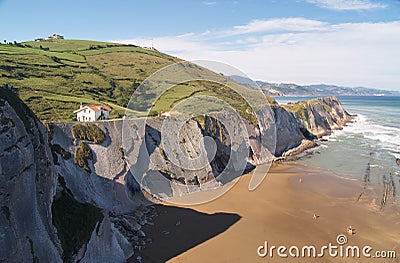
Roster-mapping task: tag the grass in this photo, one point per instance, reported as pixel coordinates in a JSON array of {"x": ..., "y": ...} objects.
[
  {"x": 303, "y": 108},
  {"x": 74, "y": 221},
  {"x": 53, "y": 82},
  {"x": 82, "y": 154},
  {"x": 92, "y": 52},
  {"x": 68, "y": 45},
  {"x": 89, "y": 132},
  {"x": 210, "y": 95},
  {"x": 174, "y": 95},
  {"x": 54, "y": 77},
  {"x": 14, "y": 50}
]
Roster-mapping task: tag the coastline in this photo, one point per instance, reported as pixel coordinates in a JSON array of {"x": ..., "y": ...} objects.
[{"x": 280, "y": 211}]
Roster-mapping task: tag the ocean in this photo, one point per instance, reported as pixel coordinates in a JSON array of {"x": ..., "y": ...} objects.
[{"x": 367, "y": 148}]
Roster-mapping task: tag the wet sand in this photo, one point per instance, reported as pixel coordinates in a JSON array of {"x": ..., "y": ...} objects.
[{"x": 280, "y": 211}]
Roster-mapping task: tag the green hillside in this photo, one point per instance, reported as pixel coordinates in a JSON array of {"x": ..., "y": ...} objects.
[{"x": 53, "y": 77}]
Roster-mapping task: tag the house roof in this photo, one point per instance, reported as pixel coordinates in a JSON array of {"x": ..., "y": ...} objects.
[
  {"x": 95, "y": 108},
  {"x": 100, "y": 108}
]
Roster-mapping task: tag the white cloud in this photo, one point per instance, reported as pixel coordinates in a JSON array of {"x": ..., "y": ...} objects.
[
  {"x": 281, "y": 24},
  {"x": 350, "y": 54},
  {"x": 209, "y": 3},
  {"x": 347, "y": 4},
  {"x": 178, "y": 45}
]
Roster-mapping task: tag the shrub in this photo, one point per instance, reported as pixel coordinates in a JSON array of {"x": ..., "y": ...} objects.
[
  {"x": 82, "y": 154},
  {"x": 163, "y": 154},
  {"x": 74, "y": 221},
  {"x": 122, "y": 152},
  {"x": 89, "y": 132},
  {"x": 58, "y": 149}
]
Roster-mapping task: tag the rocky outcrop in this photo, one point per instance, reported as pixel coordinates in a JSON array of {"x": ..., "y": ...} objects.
[
  {"x": 181, "y": 165},
  {"x": 320, "y": 116},
  {"x": 108, "y": 184},
  {"x": 304, "y": 145},
  {"x": 32, "y": 198},
  {"x": 106, "y": 245},
  {"x": 290, "y": 132},
  {"x": 194, "y": 154},
  {"x": 27, "y": 186}
]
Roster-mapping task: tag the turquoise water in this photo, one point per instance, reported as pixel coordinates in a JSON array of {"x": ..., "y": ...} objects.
[{"x": 373, "y": 140}]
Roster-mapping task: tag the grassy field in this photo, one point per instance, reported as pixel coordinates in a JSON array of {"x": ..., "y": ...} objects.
[
  {"x": 69, "y": 45},
  {"x": 54, "y": 77}
]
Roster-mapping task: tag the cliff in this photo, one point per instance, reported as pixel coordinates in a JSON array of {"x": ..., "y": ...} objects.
[
  {"x": 41, "y": 218},
  {"x": 77, "y": 184},
  {"x": 320, "y": 116},
  {"x": 183, "y": 164},
  {"x": 27, "y": 186}
]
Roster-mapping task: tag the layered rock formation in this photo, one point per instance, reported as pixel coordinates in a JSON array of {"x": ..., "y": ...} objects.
[
  {"x": 320, "y": 116},
  {"x": 29, "y": 183},
  {"x": 27, "y": 186}
]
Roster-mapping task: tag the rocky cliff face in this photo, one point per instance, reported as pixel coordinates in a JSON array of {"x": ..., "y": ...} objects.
[
  {"x": 32, "y": 198},
  {"x": 145, "y": 154},
  {"x": 27, "y": 186},
  {"x": 108, "y": 185},
  {"x": 290, "y": 132},
  {"x": 320, "y": 116}
]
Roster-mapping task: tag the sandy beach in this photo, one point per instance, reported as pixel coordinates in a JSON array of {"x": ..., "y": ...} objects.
[{"x": 280, "y": 211}]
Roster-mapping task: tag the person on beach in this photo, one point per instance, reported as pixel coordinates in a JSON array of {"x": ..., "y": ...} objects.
[{"x": 350, "y": 230}]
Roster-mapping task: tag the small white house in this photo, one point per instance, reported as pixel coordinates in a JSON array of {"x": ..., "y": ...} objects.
[
  {"x": 54, "y": 36},
  {"x": 92, "y": 113}
]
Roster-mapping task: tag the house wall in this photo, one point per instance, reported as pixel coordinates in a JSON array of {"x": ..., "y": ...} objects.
[
  {"x": 86, "y": 115},
  {"x": 91, "y": 115},
  {"x": 105, "y": 115}
]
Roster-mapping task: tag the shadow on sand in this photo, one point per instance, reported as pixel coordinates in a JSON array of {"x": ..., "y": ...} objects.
[{"x": 178, "y": 229}]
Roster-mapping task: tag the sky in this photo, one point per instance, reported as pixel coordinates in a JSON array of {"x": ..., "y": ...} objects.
[{"x": 344, "y": 42}]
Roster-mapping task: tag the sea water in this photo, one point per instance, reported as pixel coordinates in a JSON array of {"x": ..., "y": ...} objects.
[{"x": 371, "y": 140}]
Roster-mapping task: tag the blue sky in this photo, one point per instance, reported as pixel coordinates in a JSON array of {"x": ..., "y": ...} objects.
[{"x": 344, "y": 42}]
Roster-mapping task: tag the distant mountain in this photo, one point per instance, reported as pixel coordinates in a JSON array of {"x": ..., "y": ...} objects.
[
  {"x": 289, "y": 89},
  {"x": 244, "y": 81}
]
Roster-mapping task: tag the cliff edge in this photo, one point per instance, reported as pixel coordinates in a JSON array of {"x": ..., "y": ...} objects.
[
  {"x": 320, "y": 116},
  {"x": 68, "y": 192},
  {"x": 27, "y": 186}
]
